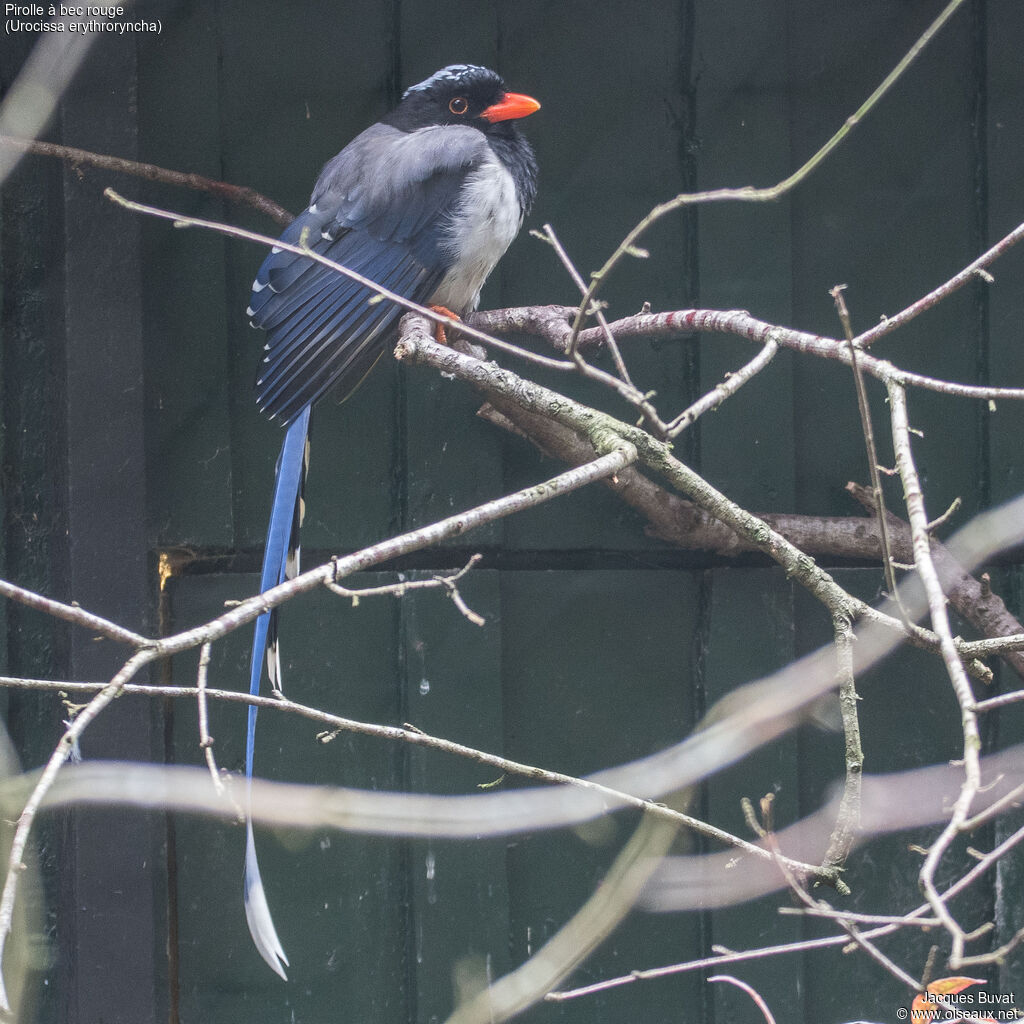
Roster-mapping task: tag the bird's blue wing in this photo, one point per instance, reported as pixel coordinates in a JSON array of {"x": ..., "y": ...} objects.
[
  {"x": 331, "y": 330},
  {"x": 383, "y": 208}
]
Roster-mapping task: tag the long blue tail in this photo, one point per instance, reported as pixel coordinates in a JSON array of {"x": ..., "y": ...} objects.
[{"x": 280, "y": 562}]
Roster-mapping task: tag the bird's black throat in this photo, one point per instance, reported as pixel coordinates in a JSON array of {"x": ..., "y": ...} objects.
[{"x": 512, "y": 149}]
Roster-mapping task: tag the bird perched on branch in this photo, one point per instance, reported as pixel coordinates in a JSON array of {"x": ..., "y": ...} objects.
[{"x": 424, "y": 203}]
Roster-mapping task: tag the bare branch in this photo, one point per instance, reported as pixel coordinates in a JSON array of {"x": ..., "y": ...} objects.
[
  {"x": 182, "y": 221},
  {"x": 549, "y": 323},
  {"x": 151, "y": 172},
  {"x": 73, "y": 614},
  {"x": 940, "y": 623},
  {"x": 972, "y": 272},
  {"x": 1007, "y": 698},
  {"x": 830, "y": 913},
  {"x": 402, "y": 587},
  {"x": 549, "y": 236},
  {"x": 751, "y": 991},
  {"x": 721, "y": 958},
  {"x": 726, "y": 389},
  {"x": 864, "y": 411},
  {"x": 337, "y": 724},
  {"x": 1011, "y": 800},
  {"x": 848, "y": 820},
  {"x": 205, "y": 739},
  {"x": 453, "y": 526},
  {"x": 416, "y": 345}
]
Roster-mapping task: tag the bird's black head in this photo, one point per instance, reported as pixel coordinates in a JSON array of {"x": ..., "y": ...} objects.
[{"x": 461, "y": 94}]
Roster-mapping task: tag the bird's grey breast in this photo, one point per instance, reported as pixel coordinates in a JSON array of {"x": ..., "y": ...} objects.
[{"x": 481, "y": 227}]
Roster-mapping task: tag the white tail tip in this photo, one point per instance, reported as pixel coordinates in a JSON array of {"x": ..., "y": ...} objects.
[{"x": 257, "y": 913}]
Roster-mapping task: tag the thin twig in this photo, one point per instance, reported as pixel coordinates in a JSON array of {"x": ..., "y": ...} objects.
[
  {"x": 709, "y": 963},
  {"x": 205, "y": 739},
  {"x": 954, "y": 506},
  {"x": 623, "y": 385},
  {"x": 548, "y": 235},
  {"x": 1003, "y": 699},
  {"x": 862, "y": 940},
  {"x": 994, "y": 956},
  {"x": 728, "y": 387},
  {"x": 751, "y": 991},
  {"x": 1014, "y": 799},
  {"x": 73, "y": 614},
  {"x": 183, "y": 221},
  {"x": 848, "y": 819},
  {"x": 151, "y": 172},
  {"x": 402, "y": 587},
  {"x": 961, "y": 687},
  {"x": 549, "y": 322},
  {"x": 830, "y": 913},
  {"x": 957, "y": 281},
  {"x": 867, "y": 429}
]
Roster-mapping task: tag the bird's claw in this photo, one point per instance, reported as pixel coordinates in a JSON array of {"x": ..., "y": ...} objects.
[{"x": 439, "y": 332}]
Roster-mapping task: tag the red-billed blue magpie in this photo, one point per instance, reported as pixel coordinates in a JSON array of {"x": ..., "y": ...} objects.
[{"x": 424, "y": 203}]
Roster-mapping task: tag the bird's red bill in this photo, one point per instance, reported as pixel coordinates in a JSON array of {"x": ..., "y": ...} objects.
[{"x": 511, "y": 106}]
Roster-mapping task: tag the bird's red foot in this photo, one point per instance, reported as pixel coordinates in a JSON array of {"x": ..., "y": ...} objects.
[{"x": 439, "y": 333}]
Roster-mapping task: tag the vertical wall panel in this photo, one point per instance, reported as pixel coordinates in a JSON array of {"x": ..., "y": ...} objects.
[
  {"x": 184, "y": 299},
  {"x": 459, "y": 898},
  {"x": 892, "y": 216},
  {"x": 612, "y": 142},
  {"x": 106, "y": 570},
  {"x": 1005, "y": 186},
  {"x": 31, "y": 335},
  {"x": 575, "y": 702},
  {"x": 762, "y": 600},
  {"x": 742, "y": 64}
]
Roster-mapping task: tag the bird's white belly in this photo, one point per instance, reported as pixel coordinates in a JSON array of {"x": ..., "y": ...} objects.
[{"x": 483, "y": 227}]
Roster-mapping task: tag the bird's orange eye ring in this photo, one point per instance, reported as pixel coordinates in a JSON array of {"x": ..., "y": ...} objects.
[{"x": 459, "y": 105}]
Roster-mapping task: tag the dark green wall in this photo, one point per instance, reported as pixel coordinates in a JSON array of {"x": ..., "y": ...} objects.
[{"x": 129, "y": 429}]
